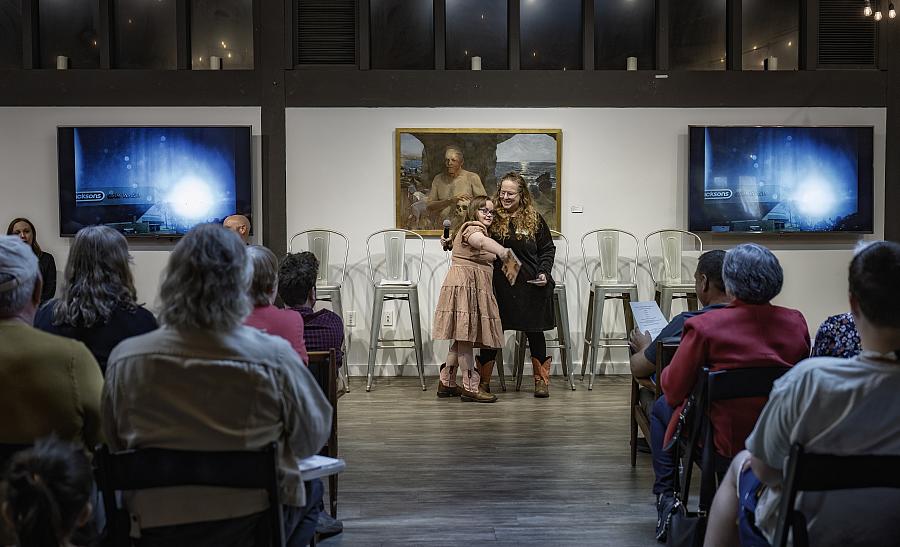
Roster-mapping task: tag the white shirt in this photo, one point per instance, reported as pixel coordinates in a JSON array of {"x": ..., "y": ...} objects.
[{"x": 842, "y": 407}]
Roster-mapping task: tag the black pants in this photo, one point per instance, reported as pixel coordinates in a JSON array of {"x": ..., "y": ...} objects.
[{"x": 536, "y": 343}]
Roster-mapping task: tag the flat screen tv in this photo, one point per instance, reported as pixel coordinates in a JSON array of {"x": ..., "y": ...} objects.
[
  {"x": 780, "y": 179},
  {"x": 152, "y": 181}
]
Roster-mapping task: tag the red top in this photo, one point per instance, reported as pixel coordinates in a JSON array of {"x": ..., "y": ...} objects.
[
  {"x": 286, "y": 324},
  {"x": 739, "y": 335}
]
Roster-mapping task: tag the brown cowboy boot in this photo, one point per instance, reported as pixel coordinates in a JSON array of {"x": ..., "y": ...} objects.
[
  {"x": 541, "y": 377},
  {"x": 471, "y": 392},
  {"x": 485, "y": 370},
  {"x": 447, "y": 385}
]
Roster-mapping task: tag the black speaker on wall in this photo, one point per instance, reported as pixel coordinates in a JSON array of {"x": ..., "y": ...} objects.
[{"x": 326, "y": 32}]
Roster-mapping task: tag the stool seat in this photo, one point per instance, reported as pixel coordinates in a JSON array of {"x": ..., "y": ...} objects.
[{"x": 326, "y": 289}]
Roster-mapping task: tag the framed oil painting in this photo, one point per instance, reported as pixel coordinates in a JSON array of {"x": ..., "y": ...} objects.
[{"x": 439, "y": 170}]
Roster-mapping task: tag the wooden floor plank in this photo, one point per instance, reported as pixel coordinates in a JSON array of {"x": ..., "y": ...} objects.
[{"x": 522, "y": 471}]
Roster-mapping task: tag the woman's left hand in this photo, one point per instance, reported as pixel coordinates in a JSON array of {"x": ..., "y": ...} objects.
[{"x": 540, "y": 280}]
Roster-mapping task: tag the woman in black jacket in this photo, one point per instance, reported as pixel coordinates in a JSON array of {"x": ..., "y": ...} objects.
[
  {"x": 23, "y": 228},
  {"x": 527, "y": 305}
]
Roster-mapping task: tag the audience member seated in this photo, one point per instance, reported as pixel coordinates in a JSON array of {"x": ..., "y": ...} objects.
[
  {"x": 47, "y": 492},
  {"x": 711, "y": 295},
  {"x": 749, "y": 332},
  {"x": 48, "y": 384},
  {"x": 837, "y": 337},
  {"x": 832, "y": 406},
  {"x": 23, "y": 228},
  {"x": 323, "y": 330},
  {"x": 286, "y": 324},
  {"x": 240, "y": 225},
  {"x": 98, "y": 305},
  {"x": 204, "y": 381}
]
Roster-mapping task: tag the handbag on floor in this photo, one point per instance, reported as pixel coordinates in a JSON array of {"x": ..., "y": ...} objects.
[{"x": 686, "y": 528}]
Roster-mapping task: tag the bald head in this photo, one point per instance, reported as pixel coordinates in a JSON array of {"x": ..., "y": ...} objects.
[{"x": 240, "y": 225}]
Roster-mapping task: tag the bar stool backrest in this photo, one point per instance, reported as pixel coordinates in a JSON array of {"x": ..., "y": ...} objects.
[
  {"x": 395, "y": 267},
  {"x": 604, "y": 267},
  {"x": 560, "y": 267},
  {"x": 319, "y": 242},
  {"x": 671, "y": 243}
]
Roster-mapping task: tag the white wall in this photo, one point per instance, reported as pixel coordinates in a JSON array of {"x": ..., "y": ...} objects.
[
  {"x": 28, "y": 172},
  {"x": 626, "y": 167}
]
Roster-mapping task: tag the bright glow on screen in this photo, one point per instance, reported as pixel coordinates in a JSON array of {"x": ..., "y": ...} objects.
[
  {"x": 815, "y": 197},
  {"x": 191, "y": 198}
]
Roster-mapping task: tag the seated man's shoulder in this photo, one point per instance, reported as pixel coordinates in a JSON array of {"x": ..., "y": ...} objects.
[{"x": 43, "y": 344}]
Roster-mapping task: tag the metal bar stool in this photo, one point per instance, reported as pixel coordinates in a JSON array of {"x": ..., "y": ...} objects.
[
  {"x": 562, "y": 341},
  {"x": 668, "y": 281},
  {"x": 396, "y": 284},
  {"x": 602, "y": 271},
  {"x": 318, "y": 242}
]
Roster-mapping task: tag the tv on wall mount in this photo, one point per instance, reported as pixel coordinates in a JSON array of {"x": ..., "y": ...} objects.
[
  {"x": 155, "y": 182},
  {"x": 780, "y": 179}
]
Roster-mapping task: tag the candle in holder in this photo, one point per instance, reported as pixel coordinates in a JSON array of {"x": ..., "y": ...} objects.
[
  {"x": 770, "y": 63},
  {"x": 631, "y": 63},
  {"x": 215, "y": 63},
  {"x": 476, "y": 63},
  {"x": 62, "y": 62}
]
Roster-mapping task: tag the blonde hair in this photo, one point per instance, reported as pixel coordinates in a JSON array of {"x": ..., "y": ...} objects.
[
  {"x": 524, "y": 221},
  {"x": 475, "y": 204}
]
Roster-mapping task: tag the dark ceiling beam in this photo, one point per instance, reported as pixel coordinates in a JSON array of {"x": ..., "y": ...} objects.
[
  {"x": 534, "y": 88},
  {"x": 129, "y": 88}
]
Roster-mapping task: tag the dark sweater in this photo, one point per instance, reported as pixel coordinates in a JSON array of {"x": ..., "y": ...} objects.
[
  {"x": 103, "y": 337},
  {"x": 47, "y": 266}
]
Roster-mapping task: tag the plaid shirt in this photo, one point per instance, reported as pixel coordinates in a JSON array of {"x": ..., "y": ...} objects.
[{"x": 322, "y": 330}]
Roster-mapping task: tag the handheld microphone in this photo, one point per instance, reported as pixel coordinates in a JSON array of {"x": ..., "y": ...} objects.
[{"x": 446, "y": 229}]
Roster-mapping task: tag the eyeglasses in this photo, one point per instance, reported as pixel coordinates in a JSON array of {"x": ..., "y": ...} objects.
[
  {"x": 505, "y": 194},
  {"x": 486, "y": 212}
]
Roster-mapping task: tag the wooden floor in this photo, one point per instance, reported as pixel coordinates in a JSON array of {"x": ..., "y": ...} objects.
[{"x": 429, "y": 471}]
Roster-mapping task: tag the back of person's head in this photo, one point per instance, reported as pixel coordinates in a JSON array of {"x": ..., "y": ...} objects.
[
  {"x": 265, "y": 274},
  {"x": 98, "y": 278},
  {"x": 874, "y": 273},
  {"x": 752, "y": 273},
  {"x": 297, "y": 277},
  {"x": 47, "y": 492},
  {"x": 19, "y": 275},
  {"x": 206, "y": 281},
  {"x": 710, "y": 265}
]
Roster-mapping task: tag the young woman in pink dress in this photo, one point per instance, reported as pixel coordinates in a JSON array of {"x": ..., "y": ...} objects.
[{"x": 467, "y": 310}]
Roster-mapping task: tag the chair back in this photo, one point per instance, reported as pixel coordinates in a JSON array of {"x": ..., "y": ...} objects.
[
  {"x": 713, "y": 387},
  {"x": 323, "y": 366},
  {"x": 319, "y": 243},
  {"x": 665, "y": 351},
  {"x": 671, "y": 247},
  {"x": 602, "y": 267},
  {"x": 821, "y": 472},
  {"x": 395, "y": 268},
  {"x": 559, "y": 267},
  {"x": 157, "y": 468}
]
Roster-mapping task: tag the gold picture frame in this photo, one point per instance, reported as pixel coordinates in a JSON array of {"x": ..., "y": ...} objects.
[{"x": 482, "y": 155}]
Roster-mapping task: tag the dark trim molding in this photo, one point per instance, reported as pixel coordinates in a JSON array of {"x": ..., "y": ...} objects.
[
  {"x": 892, "y": 139},
  {"x": 733, "y": 35},
  {"x": 129, "y": 88},
  {"x": 183, "y": 35},
  {"x": 599, "y": 88},
  {"x": 31, "y": 47}
]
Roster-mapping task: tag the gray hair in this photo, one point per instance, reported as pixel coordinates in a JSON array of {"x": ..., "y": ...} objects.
[
  {"x": 206, "y": 281},
  {"x": 98, "y": 279},
  {"x": 265, "y": 274},
  {"x": 18, "y": 275},
  {"x": 752, "y": 274}
]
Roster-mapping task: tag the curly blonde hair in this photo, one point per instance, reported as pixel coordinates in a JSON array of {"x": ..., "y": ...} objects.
[{"x": 525, "y": 220}]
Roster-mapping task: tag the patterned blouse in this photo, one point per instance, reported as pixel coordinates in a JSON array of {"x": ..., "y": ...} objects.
[{"x": 837, "y": 337}]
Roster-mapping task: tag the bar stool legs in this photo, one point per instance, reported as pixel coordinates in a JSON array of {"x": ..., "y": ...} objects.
[
  {"x": 411, "y": 296},
  {"x": 593, "y": 331}
]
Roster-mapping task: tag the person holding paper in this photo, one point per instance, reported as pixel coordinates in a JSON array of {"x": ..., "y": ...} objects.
[
  {"x": 467, "y": 309},
  {"x": 527, "y": 304}
]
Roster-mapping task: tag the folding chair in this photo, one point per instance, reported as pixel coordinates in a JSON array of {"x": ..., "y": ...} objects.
[
  {"x": 323, "y": 365},
  {"x": 665, "y": 350}
]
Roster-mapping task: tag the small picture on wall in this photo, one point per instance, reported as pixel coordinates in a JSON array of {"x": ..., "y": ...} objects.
[{"x": 438, "y": 171}]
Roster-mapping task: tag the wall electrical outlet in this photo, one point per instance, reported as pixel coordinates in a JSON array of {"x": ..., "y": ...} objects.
[
  {"x": 388, "y": 319},
  {"x": 351, "y": 318}
]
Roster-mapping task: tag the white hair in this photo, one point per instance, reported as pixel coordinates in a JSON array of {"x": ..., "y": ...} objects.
[
  {"x": 18, "y": 275},
  {"x": 752, "y": 273}
]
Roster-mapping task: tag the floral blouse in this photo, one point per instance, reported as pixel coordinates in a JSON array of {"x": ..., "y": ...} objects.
[{"x": 837, "y": 337}]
